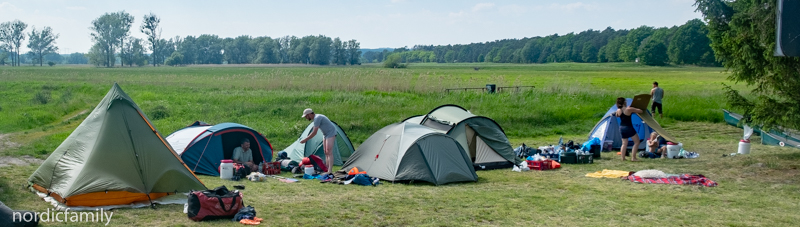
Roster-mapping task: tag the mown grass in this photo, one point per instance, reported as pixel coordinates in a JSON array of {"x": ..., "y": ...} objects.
[{"x": 759, "y": 189}]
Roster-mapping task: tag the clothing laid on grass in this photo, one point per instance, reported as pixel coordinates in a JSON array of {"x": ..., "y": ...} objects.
[
  {"x": 609, "y": 174},
  {"x": 682, "y": 179}
]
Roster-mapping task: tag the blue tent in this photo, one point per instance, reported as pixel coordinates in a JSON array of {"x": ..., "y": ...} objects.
[
  {"x": 608, "y": 129},
  {"x": 203, "y": 146}
]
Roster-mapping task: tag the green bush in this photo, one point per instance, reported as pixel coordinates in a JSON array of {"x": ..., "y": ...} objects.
[
  {"x": 159, "y": 112},
  {"x": 393, "y": 61},
  {"x": 41, "y": 97},
  {"x": 50, "y": 63},
  {"x": 175, "y": 59}
]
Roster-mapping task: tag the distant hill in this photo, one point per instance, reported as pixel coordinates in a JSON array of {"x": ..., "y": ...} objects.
[{"x": 377, "y": 49}]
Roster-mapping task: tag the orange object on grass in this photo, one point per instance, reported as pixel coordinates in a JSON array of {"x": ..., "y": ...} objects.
[
  {"x": 101, "y": 198},
  {"x": 254, "y": 221},
  {"x": 554, "y": 165},
  {"x": 354, "y": 171}
]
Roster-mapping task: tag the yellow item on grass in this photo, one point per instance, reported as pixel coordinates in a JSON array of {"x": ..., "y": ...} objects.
[{"x": 608, "y": 174}]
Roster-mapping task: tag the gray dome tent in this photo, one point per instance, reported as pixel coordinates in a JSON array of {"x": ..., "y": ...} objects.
[
  {"x": 483, "y": 139},
  {"x": 406, "y": 151}
]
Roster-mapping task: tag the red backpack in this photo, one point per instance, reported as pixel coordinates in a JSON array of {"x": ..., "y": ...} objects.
[
  {"x": 214, "y": 204},
  {"x": 319, "y": 165}
]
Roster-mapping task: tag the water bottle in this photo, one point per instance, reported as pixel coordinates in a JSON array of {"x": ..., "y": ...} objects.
[{"x": 260, "y": 167}]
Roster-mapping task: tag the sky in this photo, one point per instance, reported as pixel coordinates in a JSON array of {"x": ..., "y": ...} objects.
[{"x": 374, "y": 24}]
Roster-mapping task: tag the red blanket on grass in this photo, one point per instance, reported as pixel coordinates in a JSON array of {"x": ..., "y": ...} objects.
[{"x": 682, "y": 179}]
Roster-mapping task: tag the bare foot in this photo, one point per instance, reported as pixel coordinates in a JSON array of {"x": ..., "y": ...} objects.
[{"x": 634, "y": 160}]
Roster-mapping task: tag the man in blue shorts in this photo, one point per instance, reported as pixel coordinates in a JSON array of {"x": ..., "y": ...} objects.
[
  {"x": 328, "y": 132},
  {"x": 657, "y": 93}
]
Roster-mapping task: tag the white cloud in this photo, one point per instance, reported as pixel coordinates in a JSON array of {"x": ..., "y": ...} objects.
[
  {"x": 459, "y": 14},
  {"x": 482, "y": 6},
  {"x": 8, "y": 6},
  {"x": 76, "y": 8},
  {"x": 573, "y": 6}
]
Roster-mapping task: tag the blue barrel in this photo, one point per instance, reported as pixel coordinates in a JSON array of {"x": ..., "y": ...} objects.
[{"x": 491, "y": 88}]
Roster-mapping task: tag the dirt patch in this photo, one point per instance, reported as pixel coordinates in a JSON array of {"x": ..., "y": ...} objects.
[
  {"x": 6, "y": 143},
  {"x": 23, "y": 160}
]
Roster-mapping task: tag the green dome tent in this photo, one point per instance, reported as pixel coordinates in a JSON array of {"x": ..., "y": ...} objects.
[
  {"x": 114, "y": 157},
  {"x": 482, "y": 138},
  {"x": 406, "y": 151},
  {"x": 342, "y": 148}
]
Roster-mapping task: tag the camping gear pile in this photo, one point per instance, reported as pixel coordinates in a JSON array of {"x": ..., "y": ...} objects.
[{"x": 563, "y": 153}]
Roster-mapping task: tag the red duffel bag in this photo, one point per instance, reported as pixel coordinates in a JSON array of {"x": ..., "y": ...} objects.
[{"x": 214, "y": 204}]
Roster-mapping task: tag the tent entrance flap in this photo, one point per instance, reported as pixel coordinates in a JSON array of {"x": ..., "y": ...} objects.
[
  {"x": 484, "y": 153},
  {"x": 471, "y": 142},
  {"x": 231, "y": 139}
]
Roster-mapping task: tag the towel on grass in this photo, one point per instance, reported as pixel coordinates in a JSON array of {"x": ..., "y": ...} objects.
[
  {"x": 682, "y": 179},
  {"x": 609, "y": 174}
]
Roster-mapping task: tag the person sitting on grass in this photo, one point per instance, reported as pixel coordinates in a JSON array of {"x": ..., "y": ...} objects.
[
  {"x": 244, "y": 155},
  {"x": 654, "y": 150}
]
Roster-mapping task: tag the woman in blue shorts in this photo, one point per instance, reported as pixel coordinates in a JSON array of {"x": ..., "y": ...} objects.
[{"x": 624, "y": 113}]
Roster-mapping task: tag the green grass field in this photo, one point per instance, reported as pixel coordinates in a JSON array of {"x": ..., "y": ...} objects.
[{"x": 41, "y": 106}]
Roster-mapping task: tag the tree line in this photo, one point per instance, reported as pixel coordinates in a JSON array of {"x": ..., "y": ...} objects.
[
  {"x": 40, "y": 42},
  {"x": 111, "y": 36},
  {"x": 113, "y": 44},
  {"x": 687, "y": 44}
]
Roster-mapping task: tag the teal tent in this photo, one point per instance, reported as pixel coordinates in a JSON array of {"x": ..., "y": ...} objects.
[{"x": 342, "y": 148}]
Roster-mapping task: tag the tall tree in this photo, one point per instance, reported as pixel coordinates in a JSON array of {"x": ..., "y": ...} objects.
[
  {"x": 743, "y": 37},
  {"x": 354, "y": 52},
  {"x": 42, "y": 43},
  {"x": 338, "y": 52},
  {"x": 653, "y": 52},
  {"x": 133, "y": 52},
  {"x": 109, "y": 32},
  {"x": 77, "y": 58},
  {"x": 150, "y": 28},
  {"x": 13, "y": 33},
  {"x": 691, "y": 45}
]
